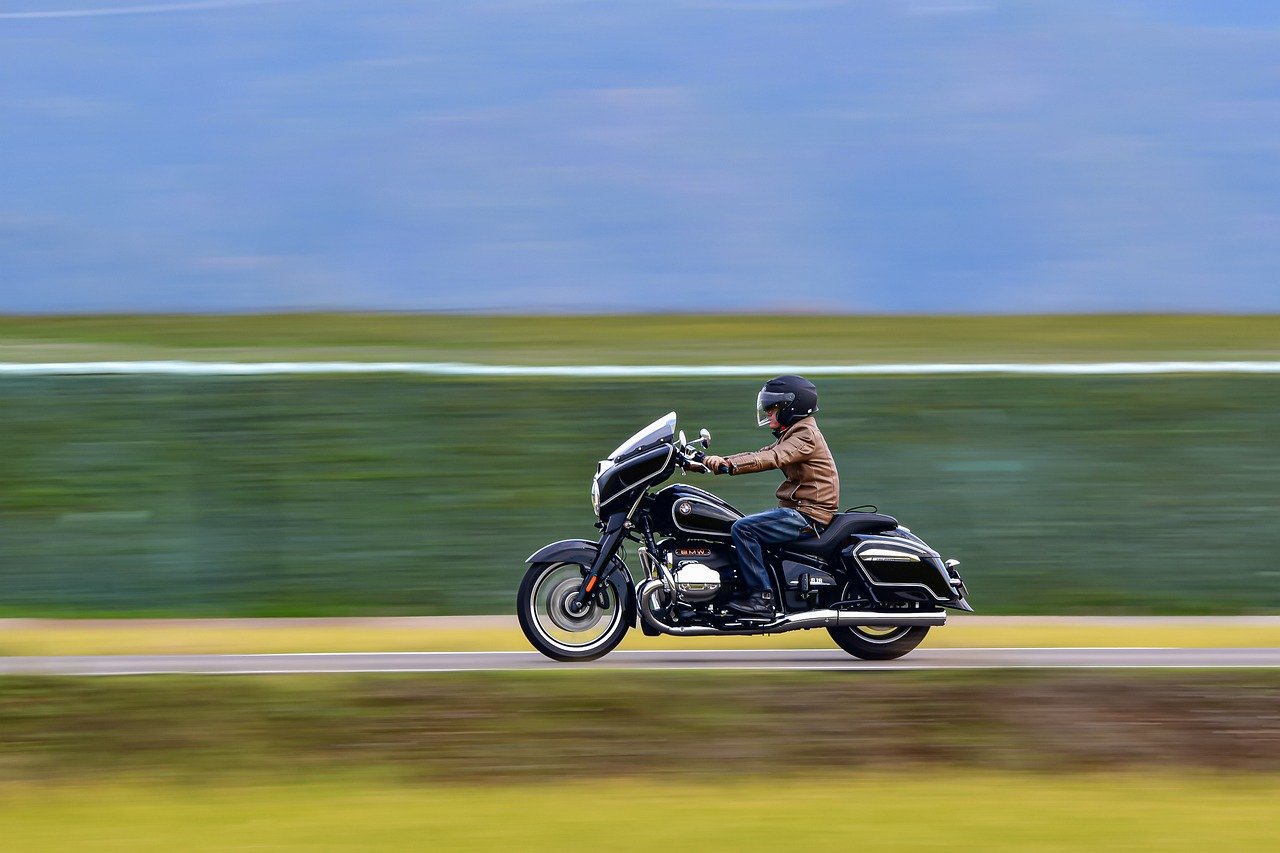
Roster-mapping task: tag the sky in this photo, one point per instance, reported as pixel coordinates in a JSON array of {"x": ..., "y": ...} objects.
[{"x": 870, "y": 156}]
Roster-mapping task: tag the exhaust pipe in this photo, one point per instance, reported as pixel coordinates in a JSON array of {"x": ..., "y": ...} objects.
[{"x": 791, "y": 622}]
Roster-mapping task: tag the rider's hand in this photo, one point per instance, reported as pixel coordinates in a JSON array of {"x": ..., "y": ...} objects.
[{"x": 714, "y": 463}]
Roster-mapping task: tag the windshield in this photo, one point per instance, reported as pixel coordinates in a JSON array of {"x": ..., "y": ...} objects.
[{"x": 663, "y": 428}]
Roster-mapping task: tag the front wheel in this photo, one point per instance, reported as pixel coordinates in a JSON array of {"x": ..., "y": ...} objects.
[
  {"x": 544, "y": 607},
  {"x": 877, "y": 642}
]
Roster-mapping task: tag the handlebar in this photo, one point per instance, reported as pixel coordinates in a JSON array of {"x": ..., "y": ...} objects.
[{"x": 691, "y": 457}]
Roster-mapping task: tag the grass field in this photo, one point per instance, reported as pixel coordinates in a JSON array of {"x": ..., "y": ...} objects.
[
  {"x": 598, "y": 724},
  {"x": 1027, "y": 760},
  {"x": 152, "y": 496},
  {"x": 400, "y": 495},
  {"x": 639, "y": 339},
  {"x": 895, "y": 811}
]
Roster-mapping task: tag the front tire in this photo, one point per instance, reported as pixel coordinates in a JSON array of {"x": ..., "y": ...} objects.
[
  {"x": 871, "y": 642},
  {"x": 542, "y": 606}
]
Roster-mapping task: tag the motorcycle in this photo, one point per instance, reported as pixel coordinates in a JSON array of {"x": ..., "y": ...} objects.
[{"x": 875, "y": 586}]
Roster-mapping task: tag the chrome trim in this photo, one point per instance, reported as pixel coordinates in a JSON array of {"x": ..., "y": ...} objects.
[
  {"x": 870, "y": 539},
  {"x": 666, "y": 580},
  {"x": 885, "y": 555},
  {"x": 789, "y": 622},
  {"x": 865, "y": 546},
  {"x": 631, "y": 512},
  {"x": 647, "y": 562}
]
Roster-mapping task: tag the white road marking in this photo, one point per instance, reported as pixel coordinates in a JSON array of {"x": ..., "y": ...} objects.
[{"x": 682, "y": 660}]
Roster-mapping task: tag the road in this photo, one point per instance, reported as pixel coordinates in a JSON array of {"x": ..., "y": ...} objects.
[{"x": 774, "y": 659}]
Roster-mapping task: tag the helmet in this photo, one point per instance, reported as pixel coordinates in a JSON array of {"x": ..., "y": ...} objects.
[{"x": 796, "y": 395}]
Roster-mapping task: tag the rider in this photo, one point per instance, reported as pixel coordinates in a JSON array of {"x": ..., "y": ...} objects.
[{"x": 808, "y": 497}]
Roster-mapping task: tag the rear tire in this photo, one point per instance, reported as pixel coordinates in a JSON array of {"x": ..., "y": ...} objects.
[
  {"x": 870, "y": 642},
  {"x": 550, "y": 627}
]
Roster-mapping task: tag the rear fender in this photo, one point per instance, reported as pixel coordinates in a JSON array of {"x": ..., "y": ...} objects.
[{"x": 584, "y": 552}]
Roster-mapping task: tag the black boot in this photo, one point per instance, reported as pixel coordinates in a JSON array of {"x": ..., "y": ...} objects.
[{"x": 758, "y": 603}]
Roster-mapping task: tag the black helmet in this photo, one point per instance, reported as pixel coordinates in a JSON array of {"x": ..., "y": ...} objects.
[{"x": 796, "y": 395}]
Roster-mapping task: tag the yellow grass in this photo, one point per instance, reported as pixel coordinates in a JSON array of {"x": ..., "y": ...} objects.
[
  {"x": 916, "y": 811},
  {"x": 116, "y": 637}
]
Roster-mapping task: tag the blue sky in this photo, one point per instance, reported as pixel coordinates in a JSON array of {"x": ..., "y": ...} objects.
[{"x": 877, "y": 156}]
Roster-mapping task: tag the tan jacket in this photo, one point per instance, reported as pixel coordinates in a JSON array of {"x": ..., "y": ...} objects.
[{"x": 813, "y": 484}]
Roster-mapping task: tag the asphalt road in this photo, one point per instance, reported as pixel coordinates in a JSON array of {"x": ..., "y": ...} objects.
[{"x": 777, "y": 659}]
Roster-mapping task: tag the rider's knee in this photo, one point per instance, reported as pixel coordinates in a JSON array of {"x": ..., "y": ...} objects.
[{"x": 742, "y": 528}]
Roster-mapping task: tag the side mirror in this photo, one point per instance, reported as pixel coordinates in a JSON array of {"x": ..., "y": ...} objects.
[
  {"x": 705, "y": 435},
  {"x": 681, "y": 438}
]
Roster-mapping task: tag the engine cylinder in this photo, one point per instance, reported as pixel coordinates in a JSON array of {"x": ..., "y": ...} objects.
[{"x": 696, "y": 582}]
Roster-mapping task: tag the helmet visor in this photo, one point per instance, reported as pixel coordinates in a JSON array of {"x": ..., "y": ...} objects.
[{"x": 765, "y": 401}]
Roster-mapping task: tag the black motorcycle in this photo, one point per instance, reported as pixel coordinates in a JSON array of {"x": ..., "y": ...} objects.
[{"x": 875, "y": 586}]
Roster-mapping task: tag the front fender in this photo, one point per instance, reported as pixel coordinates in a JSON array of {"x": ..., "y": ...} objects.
[{"x": 584, "y": 551}]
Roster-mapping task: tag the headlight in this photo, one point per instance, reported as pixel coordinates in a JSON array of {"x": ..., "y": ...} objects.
[{"x": 601, "y": 467}]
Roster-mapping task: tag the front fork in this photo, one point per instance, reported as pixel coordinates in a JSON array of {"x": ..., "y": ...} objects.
[{"x": 615, "y": 530}]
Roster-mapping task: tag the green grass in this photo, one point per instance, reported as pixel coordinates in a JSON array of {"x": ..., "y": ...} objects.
[
  {"x": 386, "y": 495},
  {"x": 823, "y": 811},
  {"x": 411, "y": 495},
  {"x": 644, "y": 339},
  {"x": 744, "y": 761},
  {"x": 592, "y": 724}
]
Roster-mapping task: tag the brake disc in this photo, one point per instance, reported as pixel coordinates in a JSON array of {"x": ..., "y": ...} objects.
[{"x": 559, "y": 601}]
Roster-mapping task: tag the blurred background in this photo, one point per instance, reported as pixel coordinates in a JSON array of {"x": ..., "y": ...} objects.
[
  {"x": 394, "y": 495},
  {"x": 668, "y": 182},
  {"x": 989, "y": 156},
  {"x": 782, "y": 162}
]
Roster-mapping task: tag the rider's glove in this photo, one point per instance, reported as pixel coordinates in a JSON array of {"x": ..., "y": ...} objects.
[{"x": 715, "y": 464}]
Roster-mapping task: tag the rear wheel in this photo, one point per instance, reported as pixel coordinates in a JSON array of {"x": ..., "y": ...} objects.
[
  {"x": 878, "y": 642},
  {"x": 544, "y": 606}
]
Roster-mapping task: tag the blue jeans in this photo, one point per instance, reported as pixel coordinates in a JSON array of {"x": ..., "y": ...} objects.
[{"x": 771, "y": 527}]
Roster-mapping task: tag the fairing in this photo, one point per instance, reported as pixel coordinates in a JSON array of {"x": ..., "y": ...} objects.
[{"x": 663, "y": 429}]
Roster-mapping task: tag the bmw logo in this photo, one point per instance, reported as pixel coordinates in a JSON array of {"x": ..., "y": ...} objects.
[{"x": 684, "y": 507}]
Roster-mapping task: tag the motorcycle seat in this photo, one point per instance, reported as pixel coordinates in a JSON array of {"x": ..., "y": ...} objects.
[{"x": 842, "y": 526}]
